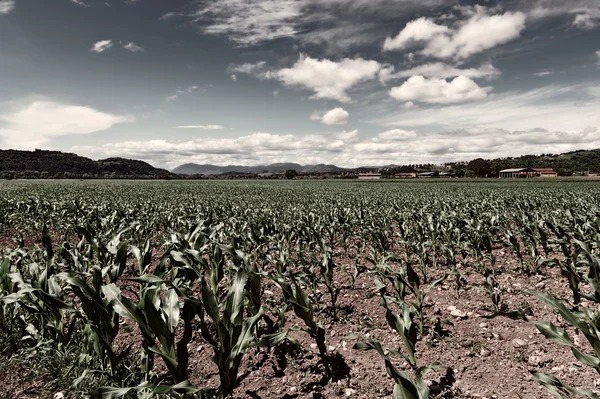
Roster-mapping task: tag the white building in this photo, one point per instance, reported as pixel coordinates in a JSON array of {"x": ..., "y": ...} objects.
[{"x": 369, "y": 176}]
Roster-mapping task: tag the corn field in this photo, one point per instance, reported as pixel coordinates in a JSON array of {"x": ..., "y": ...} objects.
[{"x": 299, "y": 289}]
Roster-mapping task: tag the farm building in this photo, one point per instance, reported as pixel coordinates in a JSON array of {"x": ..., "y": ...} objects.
[
  {"x": 545, "y": 172},
  {"x": 517, "y": 172},
  {"x": 369, "y": 176},
  {"x": 406, "y": 175}
]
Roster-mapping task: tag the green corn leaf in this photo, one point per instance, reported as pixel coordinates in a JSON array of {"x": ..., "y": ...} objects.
[
  {"x": 555, "y": 334},
  {"x": 566, "y": 314},
  {"x": 558, "y": 389},
  {"x": 122, "y": 305},
  {"x": 234, "y": 306},
  {"x": 171, "y": 309},
  {"x": 184, "y": 387}
]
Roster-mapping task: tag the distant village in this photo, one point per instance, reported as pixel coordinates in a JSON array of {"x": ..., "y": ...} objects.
[{"x": 387, "y": 173}]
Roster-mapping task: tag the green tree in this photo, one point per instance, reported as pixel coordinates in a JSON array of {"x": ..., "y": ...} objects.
[
  {"x": 480, "y": 167},
  {"x": 290, "y": 174}
]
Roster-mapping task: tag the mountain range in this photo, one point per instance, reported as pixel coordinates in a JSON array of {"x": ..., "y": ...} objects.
[
  {"x": 193, "y": 169},
  {"x": 42, "y": 164}
]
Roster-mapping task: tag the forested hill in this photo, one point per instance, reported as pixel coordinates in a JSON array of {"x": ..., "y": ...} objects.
[
  {"x": 60, "y": 165},
  {"x": 574, "y": 162}
]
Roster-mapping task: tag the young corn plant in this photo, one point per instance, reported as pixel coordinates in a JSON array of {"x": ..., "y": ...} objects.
[
  {"x": 406, "y": 281},
  {"x": 584, "y": 320},
  {"x": 405, "y": 386},
  {"x": 233, "y": 333},
  {"x": 300, "y": 303},
  {"x": 327, "y": 268}
]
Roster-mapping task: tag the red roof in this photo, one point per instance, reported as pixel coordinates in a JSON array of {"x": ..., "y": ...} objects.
[{"x": 544, "y": 170}]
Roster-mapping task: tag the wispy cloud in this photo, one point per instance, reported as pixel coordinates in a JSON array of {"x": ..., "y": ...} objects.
[
  {"x": 101, "y": 46},
  {"x": 181, "y": 92},
  {"x": 6, "y": 6},
  {"x": 444, "y": 71},
  {"x": 334, "y": 24},
  {"x": 80, "y": 3},
  {"x": 201, "y": 127},
  {"x": 543, "y": 73}
]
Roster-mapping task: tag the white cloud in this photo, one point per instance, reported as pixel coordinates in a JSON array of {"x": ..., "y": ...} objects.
[
  {"x": 328, "y": 79},
  {"x": 445, "y": 71},
  {"x": 336, "y": 116},
  {"x": 6, "y": 6},
  {"x": 134, "y": 48},
  {"x": 479, "y": 33},
  {"x": 349, "y": 149},
  {"x": 420, "y": 30},
  {"x": 202, "y": 127},
  {"x": 38, "y": 122},
  {"x": 408, "y": 105},
  {"x": 233, "y": 77},
  {"x": 553, "y": 107},
  {"x": 543, "y": 73},
  {"x": 439, "y": 91},
  {"x": 101, "y": 46}
]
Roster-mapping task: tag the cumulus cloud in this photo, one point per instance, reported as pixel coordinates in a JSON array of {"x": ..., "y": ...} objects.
[
  {"x": 134, "y": 48},
  {"x": 439, "y": 91},
  {"x": 478, "y": 33},
  {"x": 101, "y": 46},
  {"x": 336, "y": 116},
  {"x": 350, "y": 149},
  {"x": 201, "y": 127},
  {"x": 420, "y": 30},
  {"x": 445, "y": 71},
  {"x": 6, "y": 6},
  {"x": 38, "y": 122},
  {"x": 328, "y": 79}
]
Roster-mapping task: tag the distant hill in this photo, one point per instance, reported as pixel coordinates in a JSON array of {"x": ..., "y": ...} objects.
[
  {"x": 57, "y": 165},
  {"x": 573, "y": 162},
  {"x": 192, "y": 169}
]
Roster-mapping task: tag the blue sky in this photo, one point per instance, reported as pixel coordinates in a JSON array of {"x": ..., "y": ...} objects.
[{"x": 349, "y": 82}]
